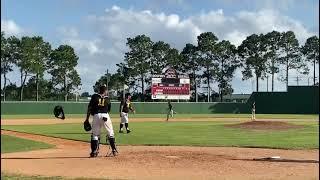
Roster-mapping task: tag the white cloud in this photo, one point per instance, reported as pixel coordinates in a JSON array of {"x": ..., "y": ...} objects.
[
  {"x": 87, "y": 45},
  {"x": 10, "y": 28},
  {"x": 258, "y": 4},
  {"x": 117, "y": 24},
  {"x": 70, "y": 32},
  {"x": 106, "y": 44}
]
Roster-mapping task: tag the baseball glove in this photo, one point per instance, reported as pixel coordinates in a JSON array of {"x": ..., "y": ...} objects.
[
  {"x": 58, "y": 112},
  {"x": 87, "y": 126}
]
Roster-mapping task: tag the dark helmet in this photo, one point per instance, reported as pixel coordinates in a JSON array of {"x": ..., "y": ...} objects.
[
  {"x": 127, "y": 95},
  {"x": 102, "y": 88}
]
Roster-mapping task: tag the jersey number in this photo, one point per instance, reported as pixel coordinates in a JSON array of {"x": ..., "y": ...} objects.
[{"x": 101, "y": 102}]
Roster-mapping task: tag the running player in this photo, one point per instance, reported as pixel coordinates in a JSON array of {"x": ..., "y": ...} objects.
[
  {"x": 125, "y": 106},
  {"x": 99, "y": 107}
]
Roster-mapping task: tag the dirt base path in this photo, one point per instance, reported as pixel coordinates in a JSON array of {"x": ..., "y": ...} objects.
[{"x": 70, "y": 159}]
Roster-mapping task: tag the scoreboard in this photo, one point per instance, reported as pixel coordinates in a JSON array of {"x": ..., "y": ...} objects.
[{"x": 170, "y": 86}]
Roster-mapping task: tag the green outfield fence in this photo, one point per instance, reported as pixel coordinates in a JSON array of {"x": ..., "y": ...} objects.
[{"x": 298, "y": 100}]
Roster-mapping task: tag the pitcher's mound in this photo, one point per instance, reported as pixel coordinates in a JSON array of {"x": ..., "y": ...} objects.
[{"x": 265, "y": 125}]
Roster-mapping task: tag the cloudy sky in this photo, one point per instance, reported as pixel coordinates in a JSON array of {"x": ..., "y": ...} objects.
[{"x": 98, "y": 29}]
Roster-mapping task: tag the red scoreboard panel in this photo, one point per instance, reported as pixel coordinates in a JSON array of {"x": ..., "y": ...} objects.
[{"x": 170, "y": 88}]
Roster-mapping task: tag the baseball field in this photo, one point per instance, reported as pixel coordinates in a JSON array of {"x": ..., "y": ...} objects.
[{"x": 189, "y": 146}]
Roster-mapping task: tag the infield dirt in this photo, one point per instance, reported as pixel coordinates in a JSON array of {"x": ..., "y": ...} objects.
[{"x": 70, "y": 159}]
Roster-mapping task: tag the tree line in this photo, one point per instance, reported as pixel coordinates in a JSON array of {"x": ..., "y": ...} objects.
[
  {"x": 213, "y": 60},
  {"x": 208, "y": 61},
  {"x": 34, "y": 58}
]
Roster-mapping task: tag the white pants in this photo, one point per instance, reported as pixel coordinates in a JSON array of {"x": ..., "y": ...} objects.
[
  {"x": 98, "y": 122},
  {"x": 253, "y": 115},
  {"x": 124, "y": 118}
]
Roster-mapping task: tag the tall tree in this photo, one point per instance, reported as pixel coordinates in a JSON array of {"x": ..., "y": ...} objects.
[
  {"x": 190, "y": 64},
  {"x": 174, "y": 60},
  {"x": 127, "y": 78},
  {"x": 12, "y": 92},
  {"x": 138, "y": 57},
  {"x": 311, "y": 51},
  {"x": 23, "y": 59},
  {"x": 7, "y": 59},
  {"x": 290, "y": 55},
  {"x": 62, "y": 63},
  {"x": 47, "y": 91},
  {"x": 272, "y": 41},
  {"x": 226, "y": 58},
  {"x": 115, "y": 82},
  {"x": 158, "y": 60},
  {"x": 206, "y": 43},
  {"x": 252, "y": 51},
  {"x": 38, "y": 54}
]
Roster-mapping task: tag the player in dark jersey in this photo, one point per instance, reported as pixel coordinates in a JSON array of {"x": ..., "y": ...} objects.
[
  {"x": 125, "y": 107},
  {"x": 170, "y": 110},
  {"x": 99, "y": 107}
]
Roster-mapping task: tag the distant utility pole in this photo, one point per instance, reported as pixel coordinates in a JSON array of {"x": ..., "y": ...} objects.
[
  {"x": 297, "y": 79},
  {"x": 252, "y": 84},
  {"x": 108, "y": 80}
]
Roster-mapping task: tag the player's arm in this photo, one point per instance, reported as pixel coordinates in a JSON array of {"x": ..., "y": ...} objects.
[
  {"x": 131, "y": 108},
  {"x": 121, "y": 106},
  {"x": 109, "y": 105}
]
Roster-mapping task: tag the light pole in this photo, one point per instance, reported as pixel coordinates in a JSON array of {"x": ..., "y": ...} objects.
[{"x": 107, "y": 81}]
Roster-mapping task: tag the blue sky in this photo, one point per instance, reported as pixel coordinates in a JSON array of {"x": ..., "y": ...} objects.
[{"x": 98, "y": 29}]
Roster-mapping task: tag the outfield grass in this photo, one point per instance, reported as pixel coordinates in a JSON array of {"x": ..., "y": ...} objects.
[
  {"x": 190, "y": 134},
  {"x": 14, "y": 144},
  {"x": 261, "y": 116}
]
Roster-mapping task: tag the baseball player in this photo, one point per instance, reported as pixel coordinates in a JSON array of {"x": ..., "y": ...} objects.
[
  {"x": 125, "y": 106},
  {"x": 253, "y": 115},
  {"x": 170, "y": 110},
  {"x": 99, "y": 107}
]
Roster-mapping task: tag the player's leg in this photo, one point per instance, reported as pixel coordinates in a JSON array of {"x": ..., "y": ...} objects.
[
  {"x": 126, "y": 122},
  {"x": 110, "y": 133},
  {"x": 168, "y": 114},
  {"x": 122, "y": 121},
  {"x": 95, "y": 136},
  {"x": 171, "y": 113}
]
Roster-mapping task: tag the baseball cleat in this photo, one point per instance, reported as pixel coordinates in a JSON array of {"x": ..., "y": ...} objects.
[
  {"x": 93, "y": 154},
  {"x": 128, "y": 131},
  {"x": 113, "y": 153}
]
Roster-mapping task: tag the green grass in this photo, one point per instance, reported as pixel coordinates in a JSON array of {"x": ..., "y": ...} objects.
[
  {"x": 190, "y": 134},
  {"x": 7, "y": 176},
  {"x": 261, "y": 116},
  {"x": 14, "y": 144}
]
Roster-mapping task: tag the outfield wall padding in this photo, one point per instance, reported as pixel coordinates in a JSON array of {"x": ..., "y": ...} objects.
[
  {"x": 141, "y": 108},
  {"x": 298, "y": 100}
]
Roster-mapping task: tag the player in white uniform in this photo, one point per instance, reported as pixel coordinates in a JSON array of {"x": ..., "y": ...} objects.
[
  {"x": 99, "y": 107},
  {"x": 253, "y": 115},
  {"x": 125, "y": 106}
]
